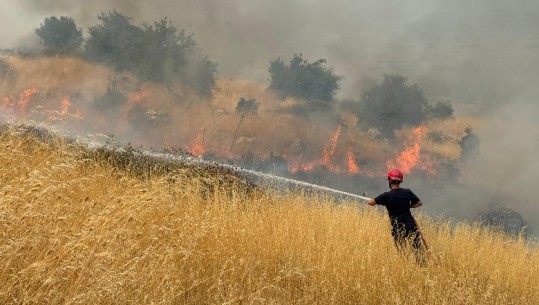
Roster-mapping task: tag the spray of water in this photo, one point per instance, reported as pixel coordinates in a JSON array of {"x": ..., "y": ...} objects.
[{"x": 261, "y": 179}]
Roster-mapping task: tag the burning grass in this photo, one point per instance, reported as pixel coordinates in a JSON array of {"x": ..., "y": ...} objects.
[
  {"x": 82, "y": 227},
  {"x": 78, "y": 95}
]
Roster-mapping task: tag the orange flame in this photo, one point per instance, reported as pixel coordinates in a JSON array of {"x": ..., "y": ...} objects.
[
  {"x": 25, "y": 98},
  {"x": 353, "y": 168},
  {"x": 330, "y": 149},
  {"x": 409, "y": 157},
  {"x": 66, "y": 102},
  {"x": 197, "y": 145},
  {"x": 305, "y": 167}
]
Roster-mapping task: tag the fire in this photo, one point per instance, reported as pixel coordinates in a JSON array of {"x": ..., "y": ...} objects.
[
  {"x": 25, "y": 98},
  {"x": 197, "y": 145},
  {"x": 6, "y": 102},
  {"x": 410, "y": 156},
  {"x": 66, "y": 102},
  {"x": 330, "y": 159},
  {"x": 329, "y": 150},
  {"x": 304, "y": 167},
  {"x": 353, "y": 168}
]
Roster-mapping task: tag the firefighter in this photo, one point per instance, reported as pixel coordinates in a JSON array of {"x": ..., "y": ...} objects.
[{"x": 398, "y": 202}]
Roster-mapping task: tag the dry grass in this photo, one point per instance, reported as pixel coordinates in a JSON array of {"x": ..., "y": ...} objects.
[
  {"x": 224, "y": 133},
  {"x": 75, "y": 229},
  {"x": 450, "y": 132}
]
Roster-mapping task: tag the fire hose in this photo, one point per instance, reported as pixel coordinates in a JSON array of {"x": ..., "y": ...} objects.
[
  {"x": 263, "y": 178},
  {"x": 330, "y": 190},
  {"x": 423, "y": 241}
]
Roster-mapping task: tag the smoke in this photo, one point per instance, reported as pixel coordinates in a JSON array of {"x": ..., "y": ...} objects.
[
  {"x": 482, "y": 56},
  {"x": 481, "y": 51},
  {"x": 459, "y": 50}
]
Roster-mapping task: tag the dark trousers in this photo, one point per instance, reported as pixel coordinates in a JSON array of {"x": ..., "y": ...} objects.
[{"x": 407, "y": 236}]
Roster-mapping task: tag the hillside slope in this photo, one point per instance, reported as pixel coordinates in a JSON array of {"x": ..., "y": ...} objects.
[
  {"x": 77, "y": 95},
  {"x": 78, "y": 226}
]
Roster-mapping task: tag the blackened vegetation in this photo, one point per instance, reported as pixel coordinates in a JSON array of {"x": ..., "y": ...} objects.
[{"x": 506, "y": 220}]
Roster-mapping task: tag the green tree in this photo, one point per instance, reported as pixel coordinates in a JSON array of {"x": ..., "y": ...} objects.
[
  {"x": 167, "y": 50},
  {"x": 440, "y": 110},
  {"x": 60, "y": 35},
  {"x": 301, "y": 79},
  {"x": 156, "y": 52},
  {"x": 115, "y": 42},
  {"x": 172, "y": 55},
  {"x": 392, "y": 105}
]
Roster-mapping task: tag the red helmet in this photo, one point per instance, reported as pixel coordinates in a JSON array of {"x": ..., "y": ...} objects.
[{"x": 395, "y": 175}]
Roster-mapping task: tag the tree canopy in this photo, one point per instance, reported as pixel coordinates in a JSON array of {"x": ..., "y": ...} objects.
[
  {"x": 115, "y": 42},
  {"x": 172, "y": 55},
  {"x": 158, "y": 52},
  {"x": 301, "y": 79},
  {"x": 391, "y": 105},
  {"x": 60, "y": 35},
  {"x": 394, "y": 103}
]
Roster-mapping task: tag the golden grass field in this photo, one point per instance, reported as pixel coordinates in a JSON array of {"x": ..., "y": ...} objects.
[{"x": 79, "y": 227}]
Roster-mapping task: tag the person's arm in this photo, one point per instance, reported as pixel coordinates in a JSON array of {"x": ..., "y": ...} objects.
[
  {"x": 371, "y": 202},
  {"x": 417, "y": 204}
]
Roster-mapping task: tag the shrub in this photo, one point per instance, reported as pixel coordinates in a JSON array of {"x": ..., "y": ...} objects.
[
  {"x": 60, "y": 35},
  {"x": 440, "y": 110},
  {"x": 304, "y": 80},
  {"x": 392, "y": 105},
  {"x": 158, "y": 52},
  {"x": 115, "y": 42},
  {"x": 7, "y": 71},
  {"x": 247, "y": 106}
]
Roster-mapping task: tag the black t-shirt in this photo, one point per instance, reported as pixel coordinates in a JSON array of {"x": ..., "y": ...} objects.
[{"x": 397, "y": 202}]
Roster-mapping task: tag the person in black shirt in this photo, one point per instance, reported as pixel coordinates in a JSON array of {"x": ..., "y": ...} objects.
[{"x": 398, "y": 202}]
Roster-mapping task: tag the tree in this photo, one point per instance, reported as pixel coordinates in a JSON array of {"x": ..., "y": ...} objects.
[
  {"x": 172, "y": 55},
  {"x": 158, "y": 52},
  {"x": 167, "y": 50},
  {"x": 392, "y": 105},
  {"x": 60, "y": 35},
  {"x": 440, "y": 110},
  {"x": 200, "y": 74},
  {"x": 247, "y": 106},
  {"x": 304, "y": 80},
  {"x": 115, "y": 42}
]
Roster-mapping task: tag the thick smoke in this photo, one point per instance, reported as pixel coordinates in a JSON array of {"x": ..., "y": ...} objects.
[
  {"x": 482, "y": 56},
  {"x": 481, "y": 51}
]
